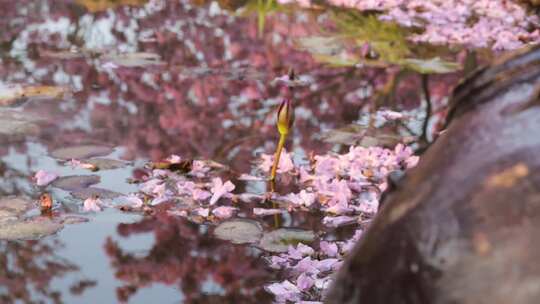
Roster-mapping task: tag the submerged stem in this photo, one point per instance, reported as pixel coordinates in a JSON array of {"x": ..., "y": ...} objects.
[{"x": 281, "y": 143}]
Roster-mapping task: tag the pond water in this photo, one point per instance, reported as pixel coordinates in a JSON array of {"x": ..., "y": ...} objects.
[{"x": 143, "y": 81}]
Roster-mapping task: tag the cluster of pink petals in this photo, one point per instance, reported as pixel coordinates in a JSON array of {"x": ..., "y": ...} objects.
[
  {"x": 496, "y": 24},
  {"x": 309, "y": 270},
  {"x": 163, "y": 186},
  {"x": 285, "y": 165},
  {"x": 92, "y": 204},
  {"x": 351, "y": 183}
]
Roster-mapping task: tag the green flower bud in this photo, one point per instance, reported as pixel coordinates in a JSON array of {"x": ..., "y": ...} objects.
[{"x": 285, "y": 117}]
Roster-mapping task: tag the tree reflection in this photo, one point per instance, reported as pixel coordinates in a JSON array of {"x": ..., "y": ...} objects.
[
  {"x": 27, "y": 271},
  {"x": 184, "y": 254}
]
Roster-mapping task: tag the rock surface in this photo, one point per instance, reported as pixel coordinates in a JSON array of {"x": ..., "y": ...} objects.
[{"x": 462, "y": 226}]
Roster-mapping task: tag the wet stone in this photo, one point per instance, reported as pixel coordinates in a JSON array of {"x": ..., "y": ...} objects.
[
  {"x": 28, "y": 230},
  {"x": 81, "y": 152},
  {"x": 76, "y": 182},
  {"x": 280, "y": 239},
  {"x": 13, "y": 206},
  {"x": 106, "y": 163},
  {"x": 239, "y": 231},
  {"x": 94, "y": 191}
]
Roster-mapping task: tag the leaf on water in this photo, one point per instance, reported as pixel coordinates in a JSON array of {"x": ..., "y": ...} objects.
[
  {"x": 76, "y": 182},
  {"x": 140, "y": 59},
  {"x": 29, "y": 229},
  {"x": 280, "y": 239},
  {"x": 81, "y": 152},
  {"x": 362, "y": 135},
  {"x": 183, "y": 166},
  {"x": 106, "y": 163},
  {"x": 16, "y": 95},
  {"x": 430, "y": 66},
  {"x": 15, "y": 123},
  {"x": 14, "y": 207},
  {"x": 239, "y": 231},
  {"x": 94, "y": 6},
  {"x": 90, "y": 192}
]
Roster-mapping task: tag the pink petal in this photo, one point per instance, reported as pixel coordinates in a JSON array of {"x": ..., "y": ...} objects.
[
  {"x": 220, "y": 189},
  {"x": 304, "y": 282},
  {"x": 223, "y": 212},
  {"x": 92, "y": 204},
  {"x": 174, "y": 159},
  {"x": 330, "y": 249},
  {"x": 285, "y": 165},
  {"x": 204, "y": 212},
  {"x": 44, "y": 178},
  {"x": 265, "y": 212},
  {"x": 200, "y": 195},
  {"x": 134, "y": 201},
  {"x": 336, "y": 221}
]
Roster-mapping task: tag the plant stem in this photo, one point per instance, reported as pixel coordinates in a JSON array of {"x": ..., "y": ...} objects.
[
  {"x": 281, "y": 143},
  {"x": 425, "y": 88}
]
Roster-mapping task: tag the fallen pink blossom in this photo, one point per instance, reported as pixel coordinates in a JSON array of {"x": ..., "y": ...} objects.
[
  {"x": 337, "y": 221},
  {"x": 265, "y": 212},
  {"x": 204, "y": 212},
  {"x": 391, "y": 115},
  {"x": 92, "y": 204},
  {"x": 200, "y": 195},
  {"x": 285, "y": 165},
  {"x": 328, "y": 264},
  {"x": 328, "y": 248},
  {"x": 284, "y": 291},
  {"x": 44, "y": 178},
  {"x": 304, "y": 282},
  {"x": 133, "y": 201},
  {"x": 224, "y": 212},
  {"x": 278, "y": 262},
  {"x": 199, "y": 168},
  {"x": 300, "y": 251},
  {"x": 150, "y": 185},
  {"x": 306, "y": 265},
  {"x": 220, "y": 189},
  {"x": 303, "y": 198},
  {"x": 174, "y": 159}
]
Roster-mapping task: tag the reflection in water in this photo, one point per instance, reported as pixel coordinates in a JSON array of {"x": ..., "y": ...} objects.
[
  {"x": 28, "y": 268},
  {"x": 184, "y": 254}
]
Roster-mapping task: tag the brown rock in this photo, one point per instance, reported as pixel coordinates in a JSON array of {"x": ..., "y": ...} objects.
[{"x": 463, "y": 226}]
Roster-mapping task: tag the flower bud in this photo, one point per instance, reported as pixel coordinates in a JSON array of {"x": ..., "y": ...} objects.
[{"x": 285, "y": 117}]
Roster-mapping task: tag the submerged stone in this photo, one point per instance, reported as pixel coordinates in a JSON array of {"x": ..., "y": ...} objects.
[
  {"x": 239, "y": 231},
  {"x": 280, "y": 239}
]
